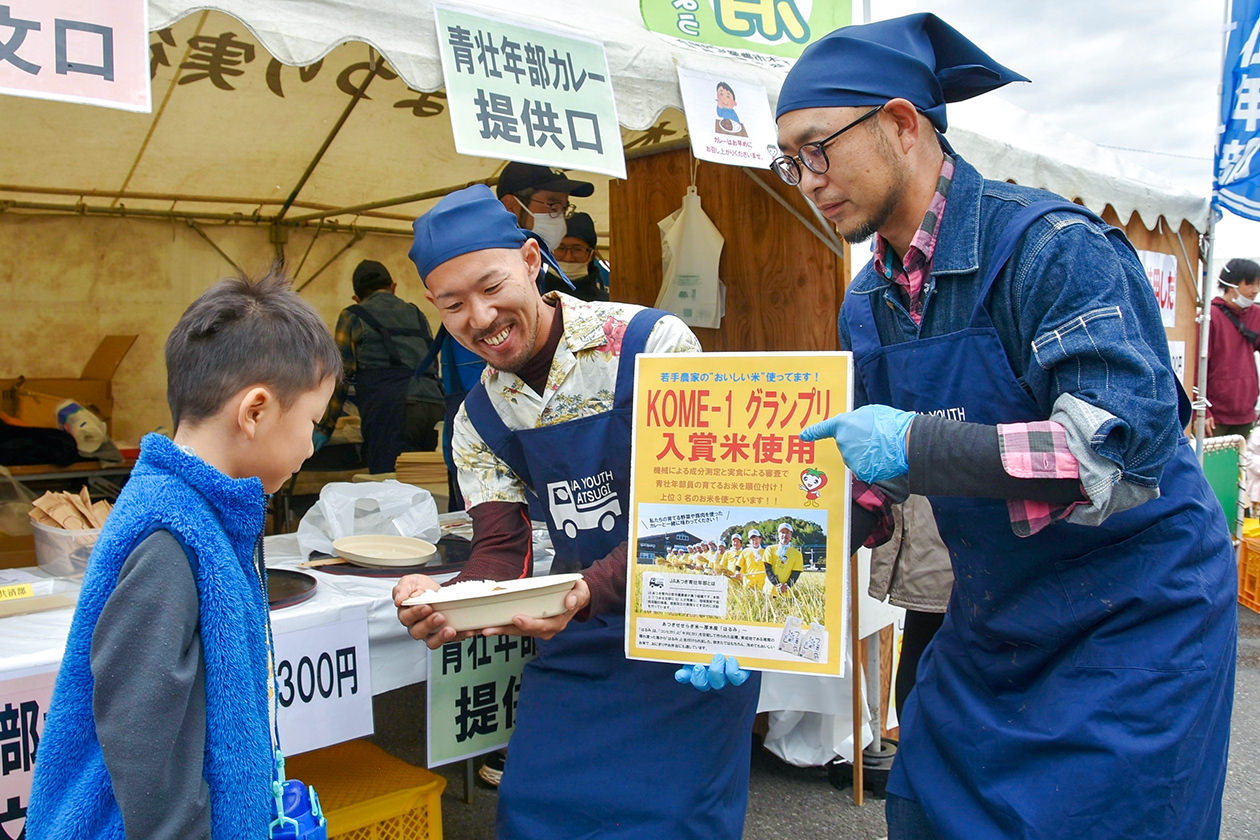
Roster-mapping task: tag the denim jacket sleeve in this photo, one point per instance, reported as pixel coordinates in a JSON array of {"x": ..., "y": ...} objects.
[{"x": 1094, "y": 332}]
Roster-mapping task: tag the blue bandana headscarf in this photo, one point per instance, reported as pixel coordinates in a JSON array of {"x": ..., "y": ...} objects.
[
  {"x": 468, "y": 220},
  {"x": 919, "y": 57}
]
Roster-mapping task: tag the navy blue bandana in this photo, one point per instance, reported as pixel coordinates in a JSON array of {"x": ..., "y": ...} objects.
[
  {"x": 468, "y": 220},
  {"x": 918, "y": 57}
]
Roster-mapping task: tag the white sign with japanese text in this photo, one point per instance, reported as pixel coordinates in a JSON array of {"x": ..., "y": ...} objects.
[
  {"x": 77, "y": 51},
  {"x": 472, "y": 689},
  {"x": 324, "y": 682},
  {"x": 525, "y": 94},
  {"x": 23, "y": 707},
  {"x": 728, "y": 119},
  {"x": 1177, "y": 352},
  {"x": 1161, "y": 270}
]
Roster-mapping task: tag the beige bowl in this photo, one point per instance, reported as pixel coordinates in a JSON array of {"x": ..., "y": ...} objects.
[{"x": 540, "y": 597}]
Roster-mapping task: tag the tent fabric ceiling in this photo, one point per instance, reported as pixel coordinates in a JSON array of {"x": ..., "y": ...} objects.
[{"x": 247, "y": 92}]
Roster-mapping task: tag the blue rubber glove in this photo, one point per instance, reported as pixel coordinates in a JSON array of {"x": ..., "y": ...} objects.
[
  {"x": 872, "y": 440},
  {"x": 715, "y": 675},
  {"x": 319, "y": 439}
]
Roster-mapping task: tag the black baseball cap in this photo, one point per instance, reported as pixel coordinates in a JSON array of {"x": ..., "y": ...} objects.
[
  {"x": 583, "y": 227},
  {"x": 530, "y": 176}
]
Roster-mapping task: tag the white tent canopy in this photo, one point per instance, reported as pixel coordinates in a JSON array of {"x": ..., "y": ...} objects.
[{"x": 241, "y": 146}]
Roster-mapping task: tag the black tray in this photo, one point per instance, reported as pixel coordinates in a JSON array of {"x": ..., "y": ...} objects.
[{"x": 286, "y": 587}]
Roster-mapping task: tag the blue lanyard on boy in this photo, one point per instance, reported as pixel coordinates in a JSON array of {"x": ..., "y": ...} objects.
[{"x": 302, "y": 821}]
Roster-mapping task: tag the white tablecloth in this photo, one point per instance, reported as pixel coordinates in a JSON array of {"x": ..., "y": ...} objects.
[{"x": 817, "y": 710}]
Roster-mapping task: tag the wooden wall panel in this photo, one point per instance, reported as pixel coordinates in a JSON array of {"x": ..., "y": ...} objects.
[
  {"x": 783, "y": 286},
  {"x": 1163, "y": 239}
]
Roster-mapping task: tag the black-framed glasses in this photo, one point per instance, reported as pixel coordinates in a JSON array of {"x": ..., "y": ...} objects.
[
  {"x": 813, "y": 155},
  {"x": 580, "y": 251},
  {"x": 555, "y": 209}
]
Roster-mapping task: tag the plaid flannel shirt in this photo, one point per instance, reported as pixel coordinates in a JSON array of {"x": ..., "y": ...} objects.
[{"x": 1028, "y": 450}]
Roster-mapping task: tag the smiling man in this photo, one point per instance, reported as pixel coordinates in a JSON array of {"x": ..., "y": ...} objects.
[
  {"x": 1013, "y": 368},
  {"x": 553, "y": 409}
]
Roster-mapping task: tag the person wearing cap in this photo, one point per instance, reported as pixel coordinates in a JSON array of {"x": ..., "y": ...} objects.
[
  {"x": 580, "y": 261},
  {"x": 752, "y": 565},
  {"x": 553, "y": 409},
  {"x": 1012, "y": 366},
  {"x": 731, "y": 558},
  {"x": 1233, "y": 339},
  {"x": 783, "y": 562},
  {"x": 539, "y": 197},
  {"x": 382, "y": 340}
]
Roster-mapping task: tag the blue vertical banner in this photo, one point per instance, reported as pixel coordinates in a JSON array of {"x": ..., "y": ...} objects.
[{"x": 1237, "y": 166}]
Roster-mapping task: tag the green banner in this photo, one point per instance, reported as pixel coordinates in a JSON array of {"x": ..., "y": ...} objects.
[
  {"x": 775, "y": 27},
  {"x": 473, "y": 686}
]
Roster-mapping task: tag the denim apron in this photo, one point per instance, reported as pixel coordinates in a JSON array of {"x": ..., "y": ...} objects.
[
  {"x": 607, "y": 747},
  {"x": 1081, "y": 684}
]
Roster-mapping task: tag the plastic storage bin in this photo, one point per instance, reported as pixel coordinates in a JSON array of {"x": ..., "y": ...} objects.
[
  {"x": 367, "y": 794},
  {"x": 62, "y": 552}
]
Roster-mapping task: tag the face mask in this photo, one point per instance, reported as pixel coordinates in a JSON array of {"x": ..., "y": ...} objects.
[
  {"x": 551, "y": 228},
  {"x": 573, "y": 270},
  {"x": 1243, "y": 301}
]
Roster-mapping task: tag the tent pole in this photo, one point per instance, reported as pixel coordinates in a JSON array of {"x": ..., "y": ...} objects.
[
  {"x": 332, "y": 134},
  {"x": 1200, "y": 403},
  {"x": 197, "y": 229},
  {"x": 356, "y": 209}
]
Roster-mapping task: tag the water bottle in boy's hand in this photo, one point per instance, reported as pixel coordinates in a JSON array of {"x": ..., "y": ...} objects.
[{"x": 303, "y": 818}]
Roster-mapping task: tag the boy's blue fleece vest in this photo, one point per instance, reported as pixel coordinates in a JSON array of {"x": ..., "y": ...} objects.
[{"x": 219, "y": 520}]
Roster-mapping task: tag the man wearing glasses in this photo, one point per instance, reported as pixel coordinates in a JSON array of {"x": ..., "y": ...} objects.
[
  {"x": 1012, "y": 367},
  {"x": 539, "y": 197}
]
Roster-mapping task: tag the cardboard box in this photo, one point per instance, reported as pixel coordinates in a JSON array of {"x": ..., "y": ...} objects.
[
  {"x": 35, "y": 401},
  {"x": 17, "y": 551}
]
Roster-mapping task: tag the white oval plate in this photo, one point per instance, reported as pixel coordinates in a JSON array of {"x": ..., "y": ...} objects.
[
  {"x": 540, "y": 597},
  {"x": 383, "y": 551}
]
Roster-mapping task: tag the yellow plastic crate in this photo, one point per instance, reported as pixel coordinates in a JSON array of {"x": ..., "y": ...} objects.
[
  {"x": 1249, "y": 573},
  {"x": 367, "y": 794}
]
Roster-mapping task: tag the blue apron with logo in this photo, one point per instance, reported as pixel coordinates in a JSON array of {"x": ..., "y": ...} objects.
[
  {"x": 1081, "y": 684},
  {"x": 607, "y": 747}
]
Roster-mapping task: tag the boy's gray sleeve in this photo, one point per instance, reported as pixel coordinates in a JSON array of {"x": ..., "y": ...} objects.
[{"x": 149, "y": 700}]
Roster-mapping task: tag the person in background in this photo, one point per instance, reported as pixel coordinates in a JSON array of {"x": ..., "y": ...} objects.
[
  {"x": 783, "y": 563},
  {"x": 161, "y": 723},
  {"x": 593, "y": 728},
  {"x": 580, "y": 260},
  {"x": 382, "y": 339},
  {"x": 1012, "y": 366},
  {"x": 734, "y": 555},
  {"x": 539, "y": 198},
  {"x": 753, "y": 565},
  {"x": 1233, "y": 339}
]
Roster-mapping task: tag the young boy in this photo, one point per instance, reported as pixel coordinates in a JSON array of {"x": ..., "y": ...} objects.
[{"x": 161, "y": 724}]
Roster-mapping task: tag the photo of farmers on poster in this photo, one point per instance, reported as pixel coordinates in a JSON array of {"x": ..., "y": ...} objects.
[{"x": 738, "y": 528}]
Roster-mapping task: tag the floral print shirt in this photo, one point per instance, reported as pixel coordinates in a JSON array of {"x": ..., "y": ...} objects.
[{"x": 582, "y": 382}]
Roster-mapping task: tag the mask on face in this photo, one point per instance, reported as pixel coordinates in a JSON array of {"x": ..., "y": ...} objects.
[
  {"x": 1240, "y": 300},
  {"x": 551, "y": 228},
  {"x": 573, "y": 270}
]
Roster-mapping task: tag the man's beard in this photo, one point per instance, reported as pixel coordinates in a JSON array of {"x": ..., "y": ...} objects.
[{"x": 896, "y": 190}]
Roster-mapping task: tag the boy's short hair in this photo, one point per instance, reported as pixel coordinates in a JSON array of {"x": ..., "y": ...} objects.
[{"x": 244, "y": 332}]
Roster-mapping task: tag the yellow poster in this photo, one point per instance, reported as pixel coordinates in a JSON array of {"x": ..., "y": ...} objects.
[{"x": 738, "y": 528}]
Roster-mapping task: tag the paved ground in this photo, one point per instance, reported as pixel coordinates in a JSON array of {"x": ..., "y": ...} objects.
[{"x": 800, "y": 802}]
